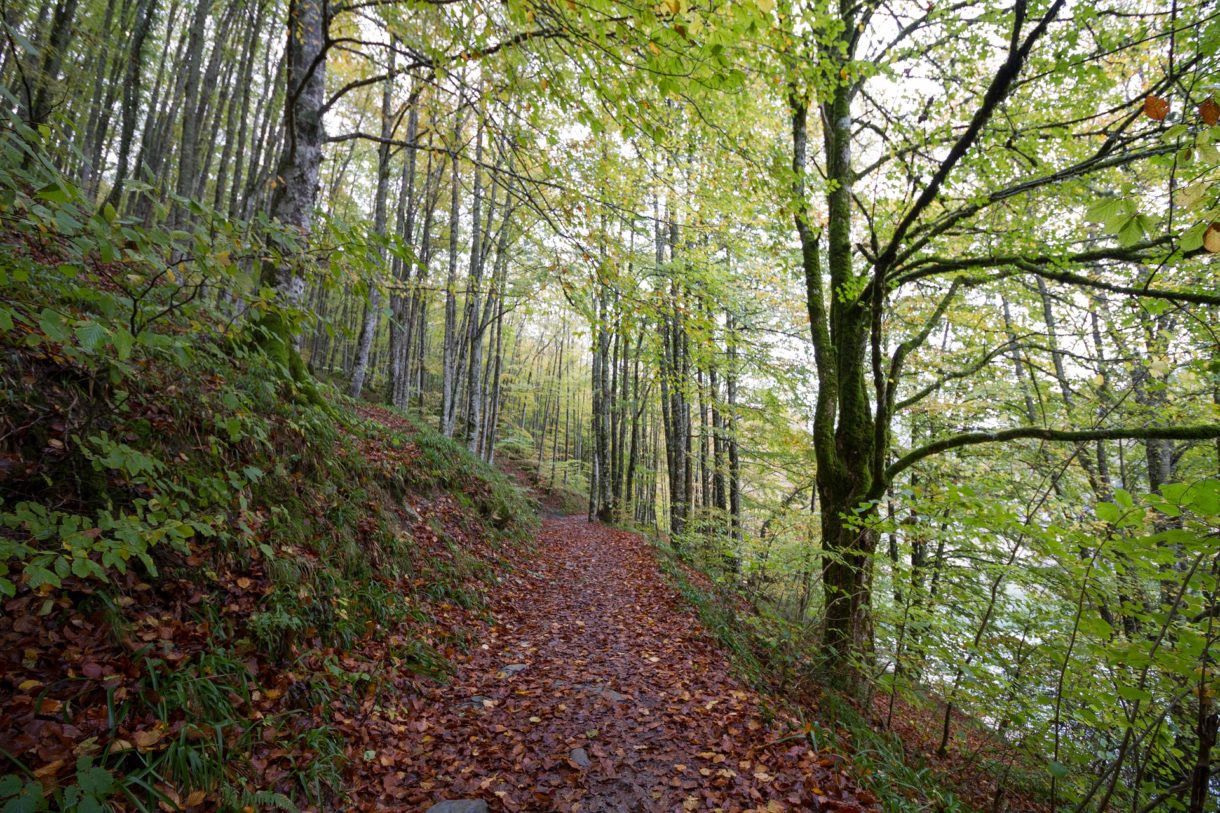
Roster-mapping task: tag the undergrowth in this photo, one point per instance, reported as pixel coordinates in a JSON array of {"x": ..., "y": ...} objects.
[
  {"x": 202, "y": 570},
  {"x": 778, "y": 656}
]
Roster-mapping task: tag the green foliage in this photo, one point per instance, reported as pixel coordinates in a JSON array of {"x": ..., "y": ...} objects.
[
  {"x": 160, "y": 448},
  {"x": 902, "y": 781},
  {"x": 89, "y": 792}
]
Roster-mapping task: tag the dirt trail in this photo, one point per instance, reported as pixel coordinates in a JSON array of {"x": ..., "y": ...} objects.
[{"x": 597, "y": 690}]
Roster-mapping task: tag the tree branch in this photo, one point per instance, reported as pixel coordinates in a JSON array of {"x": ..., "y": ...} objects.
[
  {"x": 1196, "y": 432},
  {"x": 996, "y": 92},
  {"x": 1193, "y": 297},
  {"x": 953, "y": 375}
]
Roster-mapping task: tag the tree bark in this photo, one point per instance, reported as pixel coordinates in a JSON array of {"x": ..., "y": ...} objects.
[
  {"x": 296, "y": 193},
  {"x": 449, "y": 347},
  {"x": 372, "y": 306},
  {"x": 53, "y": 52},
  {"x": 145, "y": 11},
  {"x": 474, "y": 327}
]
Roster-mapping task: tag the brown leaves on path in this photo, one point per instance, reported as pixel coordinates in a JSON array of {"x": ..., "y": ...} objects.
[{"x": 594, "y": 689}]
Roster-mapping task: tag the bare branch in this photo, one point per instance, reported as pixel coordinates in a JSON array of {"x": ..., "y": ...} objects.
[{"x": 1209, "y": 431}]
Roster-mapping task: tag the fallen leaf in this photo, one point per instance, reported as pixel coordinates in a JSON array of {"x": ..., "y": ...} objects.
[{"x": 50, "y": 769}]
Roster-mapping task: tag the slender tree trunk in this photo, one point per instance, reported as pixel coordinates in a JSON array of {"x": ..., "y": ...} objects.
[
  {"x": 103, "y": 84},
  {"x": 601, "y": 418},
  {"x": 449, "y": 348},
  {"x": 400, "y": 299},
  {"x": 474, "y": 394},
  {"x": 145, "y": 11},
  {"x": 372, "y": 307},
  {"x": 733, "y": 451},
  {"x": 189, "y": 95},
  {"x": 53, "y": 51}
]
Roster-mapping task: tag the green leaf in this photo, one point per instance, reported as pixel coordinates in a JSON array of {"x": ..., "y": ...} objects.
[
  {"x": 1207, "y": 153},
  {"x": 1192, "y": 238},
  {"x": 37, "y": 575},
  {"x": 53, "y": 325},
  {"x": 1132, "y": 693},
  {"x": 1174, "y": 492},
  {"x": 123, "y": 342},
  {"x": 1108, "y": 512},
  {"x": 1106, "y": 210},
  {"x": 10, "y": 785},
  {"x": 90, "y": 335},
  {"x": 30, "y": 801},
  {"x": 53, "y": 193},
  {"x": 93, "y": 780},
  {"x": 1131, "y": 231},
  {"x": 1204, "y": 498},
  {"x": 68, "y": 225}
]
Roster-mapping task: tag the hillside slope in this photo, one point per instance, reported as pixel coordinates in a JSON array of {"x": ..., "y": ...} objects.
[{"x": 207, "y": 579}]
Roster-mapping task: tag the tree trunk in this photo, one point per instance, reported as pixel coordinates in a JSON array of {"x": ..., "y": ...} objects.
[
  {"x": 474, "y": 327},
  {"x": 53, "y": 51},
  {"x": 733, "y": 452},
  {"x": 449, "y": 348},
  {"x": 372, "y": 307},
  {"x": 145, "y": 11},
  {"x": 843, "y": 433},
  {"x": 296, "y": 194},
  {"x": 400, "y": 299}
]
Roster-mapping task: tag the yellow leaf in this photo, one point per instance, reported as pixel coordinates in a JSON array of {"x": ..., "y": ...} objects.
[
  {"x": 147, "y": 739},
  {"x": 1211, "y": 238},
  {"x": 50, "y": 769},
  {"x": 1188, "y": 196}
]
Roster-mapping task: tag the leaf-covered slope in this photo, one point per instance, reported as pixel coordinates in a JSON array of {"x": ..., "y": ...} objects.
[{"x": 206, "y": 577}]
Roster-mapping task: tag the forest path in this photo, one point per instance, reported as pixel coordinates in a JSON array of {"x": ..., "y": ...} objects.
[{"x": 596, "y": 689}]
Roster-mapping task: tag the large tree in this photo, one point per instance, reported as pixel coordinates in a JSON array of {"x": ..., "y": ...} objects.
[{"x": 1049, "y": 110}]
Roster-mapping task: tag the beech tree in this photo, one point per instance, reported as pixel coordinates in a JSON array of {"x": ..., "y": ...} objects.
[{"x": 866, "y": 255}]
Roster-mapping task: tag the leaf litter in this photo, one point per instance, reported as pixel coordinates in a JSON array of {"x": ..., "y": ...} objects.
[{"x": 594, "y": 688}]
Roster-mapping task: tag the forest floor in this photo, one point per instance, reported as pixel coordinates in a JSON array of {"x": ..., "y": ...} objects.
[{"x": 594, "y": 688}]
